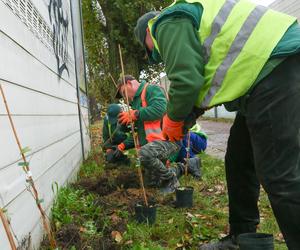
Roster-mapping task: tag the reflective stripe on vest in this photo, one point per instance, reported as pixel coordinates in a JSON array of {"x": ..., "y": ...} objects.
[
  {"x": 152, "y": 128},
  {"x": 239, "y": 37}
]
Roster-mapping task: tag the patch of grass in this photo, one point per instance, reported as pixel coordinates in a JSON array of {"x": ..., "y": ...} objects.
[
  {"x": 74, "y": 206},
  {"x": 90, "y": 168},
  {"x": 94, "y": 165}
]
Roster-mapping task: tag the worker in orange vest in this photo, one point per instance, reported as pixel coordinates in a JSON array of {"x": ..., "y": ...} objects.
[{"x": 148, "y": 103}]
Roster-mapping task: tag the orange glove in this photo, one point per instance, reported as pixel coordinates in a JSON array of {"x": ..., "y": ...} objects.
[
  {"x": 124, "y": 117},
  {"x": 121, "y": 146},
  {"x": 172, "y": 130}
]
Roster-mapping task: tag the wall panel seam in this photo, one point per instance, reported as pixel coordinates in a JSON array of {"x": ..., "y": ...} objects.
[
  {"x": 35, "y": 179},
  {"x": 40, "y": 149}
]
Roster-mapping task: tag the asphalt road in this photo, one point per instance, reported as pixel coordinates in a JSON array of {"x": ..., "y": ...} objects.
[{"x": 218, "y": 133}]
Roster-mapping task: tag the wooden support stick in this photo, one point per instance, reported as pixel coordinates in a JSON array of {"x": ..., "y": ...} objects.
[
  {"x": 29, "y": 177},
  {"x": 113, "y": 80},
  {"x": 187, "y": 154},
  {"x": 135, "y": 138},
  {"x": 7, "y": 230}
]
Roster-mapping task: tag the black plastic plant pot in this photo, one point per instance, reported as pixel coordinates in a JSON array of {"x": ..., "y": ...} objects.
[
  {"x": 256, "y": 241},
  {"x": 145, "y": 214},
  {"x": 184, "y": 196}
]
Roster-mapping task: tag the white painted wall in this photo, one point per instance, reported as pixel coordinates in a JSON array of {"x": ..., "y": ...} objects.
[
  {"x": 291, "y": 7},
  {"x": 44, "y": 107}
]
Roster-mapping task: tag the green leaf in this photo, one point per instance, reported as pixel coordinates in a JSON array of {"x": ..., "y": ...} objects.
[
  {"x": 54, "y": 185},
  {"x": 25, "y": 150},
  {"x": 4, "y": 210},
  {"x": 23, "y": 164},
  {"x": 39, "y": 201}
]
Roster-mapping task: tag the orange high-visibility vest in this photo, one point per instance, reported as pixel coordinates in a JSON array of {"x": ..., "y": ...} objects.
[{"x": 152, "y": 128}]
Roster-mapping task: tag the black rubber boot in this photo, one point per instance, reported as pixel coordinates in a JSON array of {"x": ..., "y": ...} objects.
[
  {"x": 227, "y": 243},
  {"x": 170, "y": 185},
  {"x": 194, "y": 167}
]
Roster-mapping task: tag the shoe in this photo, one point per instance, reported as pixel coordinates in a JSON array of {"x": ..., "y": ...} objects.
[
  {"x": 227, "y": 243},
  {"x": 171, "y": 186},
  {"x": 194, "y": 167}
]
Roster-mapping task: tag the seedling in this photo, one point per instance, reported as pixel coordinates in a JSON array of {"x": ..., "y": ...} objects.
[
  {"x": 184, "y": 195},
  {"x": 25, "y": 165},
  {"x": 134, "y": 134}
]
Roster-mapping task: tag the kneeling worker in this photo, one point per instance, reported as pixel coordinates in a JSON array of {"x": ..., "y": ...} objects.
[
  {"x": 113, "y": 135},
  {"x": 148, "y": 103}
]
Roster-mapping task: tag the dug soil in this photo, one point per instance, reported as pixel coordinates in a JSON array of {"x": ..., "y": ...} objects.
[{"x": 116, "y": 190}]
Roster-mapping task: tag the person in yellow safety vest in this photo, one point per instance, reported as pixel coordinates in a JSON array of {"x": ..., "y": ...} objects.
[
  {"x": 148, "y": 104},
  {"x": 244, "y": 56}
]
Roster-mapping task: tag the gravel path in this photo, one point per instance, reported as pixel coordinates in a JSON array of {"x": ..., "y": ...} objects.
[{"x": 218, "y": 133}]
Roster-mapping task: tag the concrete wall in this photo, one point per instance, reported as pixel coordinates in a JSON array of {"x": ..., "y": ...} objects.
[
  {"x": 291, "y": 7},
  {"x": 38, "y": 75}
]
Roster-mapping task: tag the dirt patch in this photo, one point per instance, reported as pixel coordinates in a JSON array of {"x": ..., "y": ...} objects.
[
  {"x": 72, "y": 236},
  {"x": 128, "y": 179},
  {"x": 109, "y": 182},
  {"x": 68, "y": 236},
  {"x": 125, "y": 198},
  {"x": 102, "y": 186}
]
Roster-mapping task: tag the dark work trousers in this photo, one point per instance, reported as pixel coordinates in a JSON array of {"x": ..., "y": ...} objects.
[
  {"x": 264, "y": 148},
  {"x": 153, "y": 156}
]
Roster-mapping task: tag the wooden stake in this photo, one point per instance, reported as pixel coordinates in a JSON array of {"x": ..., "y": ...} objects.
[
  {"x": 113, "y": 80},
  {"x": 135, "y": 138},
  {"x": 187, "y": 154},
  {"x": 7, "y": 230},
  {"x": 29, "y": 177}
]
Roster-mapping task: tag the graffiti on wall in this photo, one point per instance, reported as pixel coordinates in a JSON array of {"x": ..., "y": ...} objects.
[{"x": 60, "y": 24}]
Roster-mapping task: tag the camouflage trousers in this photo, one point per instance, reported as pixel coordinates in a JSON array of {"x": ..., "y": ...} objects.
[{"x": 153, "y": 157}]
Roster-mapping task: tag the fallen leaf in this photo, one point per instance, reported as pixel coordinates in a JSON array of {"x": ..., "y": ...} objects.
[
  {"x": 222, "y": 235},
  {"x": 187, "y": 236},
  {"x": 279, "y": 237},
  {"x": 116, "y": 236},
  {"x": 129, "y": 242},
  {"x": 115, "y": 218},
  {"x": 189, "y": 215},
  {"x": 201, "y": 216}
]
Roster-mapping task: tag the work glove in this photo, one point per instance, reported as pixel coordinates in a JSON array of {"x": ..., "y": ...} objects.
[
  {"x": 124, "y": 117},
  {"x": 172, "y": 130},
  {"x": 109, "y": 155},
  {"x": 118, "y": 150}
]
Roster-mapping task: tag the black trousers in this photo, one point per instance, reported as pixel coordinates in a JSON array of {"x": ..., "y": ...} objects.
[{"x": 264, "y": 148}]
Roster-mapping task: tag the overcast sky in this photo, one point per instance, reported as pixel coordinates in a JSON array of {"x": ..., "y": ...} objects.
[{"x": 263, "y": 2}]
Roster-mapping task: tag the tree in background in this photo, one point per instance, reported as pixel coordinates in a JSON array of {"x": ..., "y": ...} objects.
[{"x": 108, "y": 23}]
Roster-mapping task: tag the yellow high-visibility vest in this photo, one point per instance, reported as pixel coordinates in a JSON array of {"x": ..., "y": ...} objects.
[{"x": 238, "y": 38}]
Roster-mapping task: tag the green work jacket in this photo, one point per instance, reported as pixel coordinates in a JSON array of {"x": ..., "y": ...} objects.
[
  {"x": 155, "y": 110},
  {"x": 176, "y": 34},
  {"x": 112, "y": 134}
]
